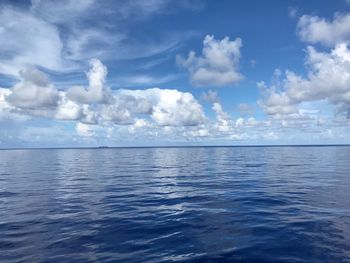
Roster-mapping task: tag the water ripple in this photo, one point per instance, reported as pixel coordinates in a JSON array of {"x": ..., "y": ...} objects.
[{"x": 224, "y": 204}]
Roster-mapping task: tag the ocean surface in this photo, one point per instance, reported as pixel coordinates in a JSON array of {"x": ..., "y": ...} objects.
[{"x": 200, "y": 204}]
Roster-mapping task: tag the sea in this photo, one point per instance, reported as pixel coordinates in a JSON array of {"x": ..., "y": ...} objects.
[{"x": 175, "y": 204}]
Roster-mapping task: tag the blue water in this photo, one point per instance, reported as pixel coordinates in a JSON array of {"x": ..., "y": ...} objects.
[{"x": 214, "y": 204}]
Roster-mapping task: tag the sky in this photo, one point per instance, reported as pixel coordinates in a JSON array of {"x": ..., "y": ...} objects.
[{"x": 85, "y": 73}]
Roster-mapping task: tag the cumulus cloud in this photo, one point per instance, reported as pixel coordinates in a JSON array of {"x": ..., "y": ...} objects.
[
  {"x": 96, "y": 91},
  {"x": 166, "y": 107},
  {"x": 33, "y": 91},
  {"x": 222, "y": 118},
  {"x": 3, "y": 99},
  {"x": 116, "y": 113},
  {"x": 5, "y": 107},
  {"x": 153, "y": 113},
  {"x": 67, "y": 109},
  {"x": 34, "y": 95},
  {"x": 328, "y": 79},
  {"x": 314, "y": 29},
  {"x": 319, "y": 99},
  {"x": 218, "y": 65},
  {"x": 239, "y": 122},
  {"x": 174, "y": 108}
]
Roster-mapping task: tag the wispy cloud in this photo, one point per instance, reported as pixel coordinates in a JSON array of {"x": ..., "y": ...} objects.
[{"x": 61, "y": 36}]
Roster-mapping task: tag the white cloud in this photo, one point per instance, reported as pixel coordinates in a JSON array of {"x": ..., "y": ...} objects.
[
  {"x": 223, "y": 122},
  {"x": 218, "y": 65},
  {"x": 166, "y": 107},
  {"x": 137, "y": 125},
  {"x": 251, "y": 122},
  {"x": 96, "y": 91},
  {"x": 221, "y": 115},
  {"x": 161, "y": 114},
  {"x": 34, "y": 95},
  {"x": 319, "y": 100},
  {"x": 83, "y": 130},
  {"x": 26, "y": 39},
  {"x": 176, "y": 108},
  {"x": 270, "y": 136},
  {"x": 6, "y": 109},
  {"x": 197, "y": 132},
  {"x": 33, "y": 91},
  {"x": 315, "y": 29},
  {"x": 83, "y": 44},
  {"x": 67, "y": 109},
  {"x": 116, "y": 113},
  {"x": 328, "y": 79},
  {"x": 91, "y": 116},
  {"x": 4, "y": 105},
  {"x": 239, "y": 123},
  {"x": 61, "y": 36}
]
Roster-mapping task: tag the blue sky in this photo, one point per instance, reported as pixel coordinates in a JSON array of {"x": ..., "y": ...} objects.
[{"x": 162, "y": 72}]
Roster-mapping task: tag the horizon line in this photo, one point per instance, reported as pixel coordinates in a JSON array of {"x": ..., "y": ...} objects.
[{"x": 103, "y": 147}]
